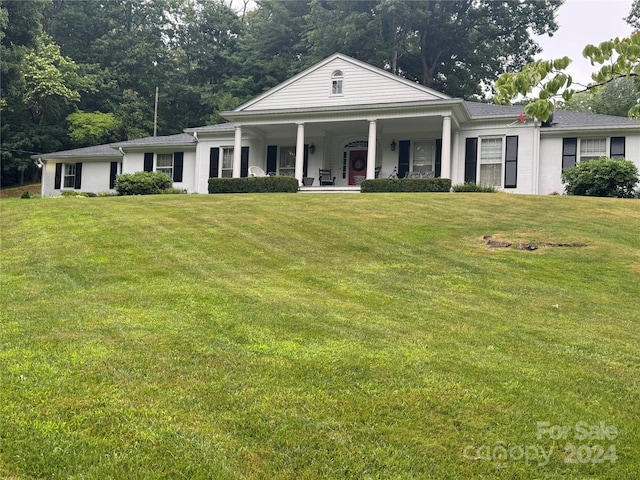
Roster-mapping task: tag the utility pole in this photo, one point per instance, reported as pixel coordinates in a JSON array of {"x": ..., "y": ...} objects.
[{"x": 155, "y": 115}]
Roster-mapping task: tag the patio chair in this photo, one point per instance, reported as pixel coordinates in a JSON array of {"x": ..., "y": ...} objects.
[
  {"x": 326, "y": 178},
  {"x": 256, "y": 172}
]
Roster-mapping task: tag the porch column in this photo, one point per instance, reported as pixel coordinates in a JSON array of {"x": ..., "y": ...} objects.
[
  {"x": 237, "y": 152},
  {"x": 300, "y": 153},
  {"x": 371, "y": 150},
  {"x": 446, "y": 147}
]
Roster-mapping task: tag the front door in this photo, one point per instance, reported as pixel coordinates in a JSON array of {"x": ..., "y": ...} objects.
[{"x": 357, "y": 166}]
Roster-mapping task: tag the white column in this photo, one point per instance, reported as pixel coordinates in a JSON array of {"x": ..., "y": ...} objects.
[
  {"x": 446, "y": 147},
  {"x": 237, "y": 152},
  {"x": 371, "y": 150},
  {"x": 300, "y": 153}
]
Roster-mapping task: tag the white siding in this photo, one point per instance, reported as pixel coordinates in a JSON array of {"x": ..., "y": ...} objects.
[
  {"x": 526, "y": 154},
  {"x": 361, "y": 86},
  {"x": 95, "y": 177},
  {"x": 550, "y": 179}
]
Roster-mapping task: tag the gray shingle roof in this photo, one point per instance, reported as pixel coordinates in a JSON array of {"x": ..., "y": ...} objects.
[
  {"x": 178, "y": 139},
  {"x": 221, "y": 127},
  {"x": 565, "y": 118},
  {"x": 97, "y": 151},
  {"x": 561, "y": 118}
]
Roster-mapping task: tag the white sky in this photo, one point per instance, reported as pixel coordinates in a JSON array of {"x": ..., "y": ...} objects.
[{"x": 583, "y": 22}]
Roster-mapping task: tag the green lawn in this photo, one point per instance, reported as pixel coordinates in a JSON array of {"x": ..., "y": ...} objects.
[{"x": 319, "y": 336}]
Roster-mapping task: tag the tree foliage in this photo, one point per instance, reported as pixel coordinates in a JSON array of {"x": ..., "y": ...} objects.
[
  {"x": 80, "y": 72},
  {"x": 618, "y": 58}
]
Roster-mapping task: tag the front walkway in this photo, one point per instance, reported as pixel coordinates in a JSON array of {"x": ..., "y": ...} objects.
[{"x": 330, "y": 189}]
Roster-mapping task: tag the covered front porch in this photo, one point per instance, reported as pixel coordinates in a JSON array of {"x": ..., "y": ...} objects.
[{"x": 351, "y": 145}]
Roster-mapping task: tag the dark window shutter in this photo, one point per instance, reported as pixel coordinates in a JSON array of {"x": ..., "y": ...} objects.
[
  {"x": 58, "y": 178},
  {"x": 112, "y": 174},
  {"x": 404, "y": 149},
  {"x": 272, "y": 158},
  {"x": 511, "y": 163},
  {"x": 438, "y": 166},
  {"x": 244, "y": 162},
  {"x": 178, "y": 166},
  {"x": 148, "y": 162},
  {"x": 617, "y": 147},
  {"x": 214, "y": 162},
  {"x": 470, "y": 159},
  {"x": 569, "y": 152},
  {"x": 78, "y": 179},
  {"x": 305, "y": 164}
]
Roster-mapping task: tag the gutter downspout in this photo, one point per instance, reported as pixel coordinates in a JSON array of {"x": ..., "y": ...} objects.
[{"x": 536, "y": 157}]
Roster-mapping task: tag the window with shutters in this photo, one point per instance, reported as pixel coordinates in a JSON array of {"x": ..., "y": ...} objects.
[
  {"x": 227, "y": 163},
  {"x": 164, "y": 164},
  {"x": 592, "y": 148},
  {"x": 69, "y": 175},
  {"x": 424, "y": 158},
  {"x": 287, "y": 165},
  {"x": 336, "y": 82},
  {"x": 491, "y": 154}
]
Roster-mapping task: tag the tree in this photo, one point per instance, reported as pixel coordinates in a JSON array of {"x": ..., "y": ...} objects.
[
  {"x": 619, "y": 58},
  {"x": 455, "y": 46},
  {"x": 615, "y": 98},
  {"x": 92, "y": 128}
]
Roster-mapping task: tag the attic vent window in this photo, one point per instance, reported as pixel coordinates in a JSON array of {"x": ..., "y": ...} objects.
[{"x": 336, "y": 82}]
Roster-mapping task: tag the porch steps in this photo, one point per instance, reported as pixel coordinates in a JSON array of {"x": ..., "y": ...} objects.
[{"x": 329, "y": 189}]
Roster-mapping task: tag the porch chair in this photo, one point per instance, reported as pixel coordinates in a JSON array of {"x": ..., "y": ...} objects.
[
  {"x": 256, "y": 172},
  {"x": 326, "y": 178}
]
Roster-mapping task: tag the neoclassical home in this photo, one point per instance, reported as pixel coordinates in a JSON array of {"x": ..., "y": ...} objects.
[{"x": 359, "y": 122}]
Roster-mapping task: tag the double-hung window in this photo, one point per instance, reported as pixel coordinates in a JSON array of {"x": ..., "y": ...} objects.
[
  {"x": 592, "y": 148},
  {"x": 164, "y": 164},
  {"x": 69, "y": 175},
  {"x": 424, "y": 158},
  {"x": 491, "y": 162},
  {"x": 287, "y": 165},
  {"x": 227, "y": 163}
]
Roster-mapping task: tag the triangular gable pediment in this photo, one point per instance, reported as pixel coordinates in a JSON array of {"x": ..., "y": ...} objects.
[{"x": 362, "y": 84}]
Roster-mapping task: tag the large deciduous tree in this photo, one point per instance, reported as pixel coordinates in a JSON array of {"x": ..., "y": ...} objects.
[{"x": 455, "y": 46}]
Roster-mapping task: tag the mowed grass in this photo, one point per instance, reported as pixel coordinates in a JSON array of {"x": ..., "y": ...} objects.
[{"x": 319, "y": 336}]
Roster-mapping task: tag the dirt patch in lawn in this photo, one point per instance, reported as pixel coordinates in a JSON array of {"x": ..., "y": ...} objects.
[{"x": 496, "y": 241}]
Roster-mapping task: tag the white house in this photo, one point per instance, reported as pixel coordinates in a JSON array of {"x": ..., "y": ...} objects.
[{"x": 360, "y": 122}]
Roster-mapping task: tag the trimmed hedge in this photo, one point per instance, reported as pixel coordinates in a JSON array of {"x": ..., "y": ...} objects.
[
  {"x": 605, "y": 177},
  {"x": 406, "y": 185},
  {"x": 474, "y": 188},
  {"x": 142, "y": 183},
  {"x": 253, "y": 185}
]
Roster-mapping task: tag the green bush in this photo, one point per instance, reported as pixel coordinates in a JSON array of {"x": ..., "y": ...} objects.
[
  {"x": 253, "y": 185},
  {"x": 25, "y": 194},
  {"x": 605, "y": 177},
  {"x": 473, "y": 187},
  {"x": 405, "y": 185},
  {"x": 142, "y": 183}
]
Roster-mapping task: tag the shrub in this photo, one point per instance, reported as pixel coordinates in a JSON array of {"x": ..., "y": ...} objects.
[
  {"x": 605, "y": 177},
  {"x": 173, "y": 191},
  {"x": 473, "y": 187},
  {"x": 25, "y": 194},
  {"x": 253, "y": 185},
  {"x": 142, "y": 183},
  {"x": 405, "y": 185}
]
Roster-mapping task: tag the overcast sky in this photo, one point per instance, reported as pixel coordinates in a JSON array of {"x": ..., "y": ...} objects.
[{"x": 583, "y": 22}]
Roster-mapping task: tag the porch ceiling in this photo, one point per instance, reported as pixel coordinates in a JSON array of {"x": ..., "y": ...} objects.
[{"x": 349, "y": 128}]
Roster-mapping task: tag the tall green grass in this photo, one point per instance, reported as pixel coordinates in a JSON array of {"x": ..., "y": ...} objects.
[{"x": 319, "y": 336}]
